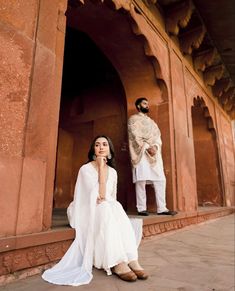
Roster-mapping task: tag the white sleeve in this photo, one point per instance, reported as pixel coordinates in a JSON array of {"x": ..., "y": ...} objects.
[{"x": 114, "y": 192}]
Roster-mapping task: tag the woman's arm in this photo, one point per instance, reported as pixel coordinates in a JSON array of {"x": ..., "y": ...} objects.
[{"x": 102, "y": 176}]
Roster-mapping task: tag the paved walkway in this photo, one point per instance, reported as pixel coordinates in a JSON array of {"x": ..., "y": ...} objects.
[{"x": 198, "y": 258}]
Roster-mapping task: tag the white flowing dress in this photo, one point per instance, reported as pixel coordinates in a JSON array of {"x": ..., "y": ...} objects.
[{"x": 105, "y": 236}]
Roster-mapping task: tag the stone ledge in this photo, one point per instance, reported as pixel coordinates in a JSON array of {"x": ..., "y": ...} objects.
[
  {"x": 36, "y": 239},
  {"x": 154, "y": 225},
  {"x": 36, "y": 252}
]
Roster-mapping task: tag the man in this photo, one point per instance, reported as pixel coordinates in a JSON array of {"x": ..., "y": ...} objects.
[{"x": 145, "y": 150}]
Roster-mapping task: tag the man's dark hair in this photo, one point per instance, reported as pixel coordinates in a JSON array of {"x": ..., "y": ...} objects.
[{"x": 139, "y": 100}]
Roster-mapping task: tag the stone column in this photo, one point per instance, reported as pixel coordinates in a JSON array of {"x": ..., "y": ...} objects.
[{"x": 32, "y": 43}]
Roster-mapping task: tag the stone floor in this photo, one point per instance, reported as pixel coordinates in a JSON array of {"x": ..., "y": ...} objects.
[{"x": 196, "y": 258}]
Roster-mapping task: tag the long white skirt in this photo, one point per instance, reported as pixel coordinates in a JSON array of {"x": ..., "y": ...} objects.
[{"x": 114, "y": 237}]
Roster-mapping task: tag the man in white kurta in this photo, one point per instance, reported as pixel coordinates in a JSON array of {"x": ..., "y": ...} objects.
[{"x": 147, "y": 165}]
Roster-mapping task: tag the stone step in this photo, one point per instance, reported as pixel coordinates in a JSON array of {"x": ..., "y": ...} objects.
[
  {"x": 27, "y": 255},
  {"x": 154, "y": 225}
]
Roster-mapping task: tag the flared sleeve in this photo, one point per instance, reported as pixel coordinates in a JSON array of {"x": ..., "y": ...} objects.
[{"x": 75, "y": 268}]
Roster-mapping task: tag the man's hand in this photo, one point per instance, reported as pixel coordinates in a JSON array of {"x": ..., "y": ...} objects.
[{"x": 152, "y": 151}]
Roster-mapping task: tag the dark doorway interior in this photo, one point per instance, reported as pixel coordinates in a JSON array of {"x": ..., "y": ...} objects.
[{"x": 93, "y": 102}]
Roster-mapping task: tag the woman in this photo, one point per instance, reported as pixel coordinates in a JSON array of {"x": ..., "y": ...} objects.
[{"x": 104, "y": 235}]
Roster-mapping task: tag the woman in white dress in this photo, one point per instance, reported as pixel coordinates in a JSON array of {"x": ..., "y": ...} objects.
[{"x": 104, "y": 236}]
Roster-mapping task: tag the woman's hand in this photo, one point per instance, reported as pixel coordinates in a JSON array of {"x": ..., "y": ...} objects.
[
  {"x": 101, "y": 161},
  {"x": 100, "y": 199}
]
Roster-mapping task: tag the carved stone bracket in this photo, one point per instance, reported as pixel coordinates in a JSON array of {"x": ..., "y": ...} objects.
[
  {"x": 192, "y": 39},
  {"x": 231, "y": 113},
  {"x": 226, "y": 96},
  {"x": 229, "y": 104},
  {"x": 213, "y": 73},
  {"x": 221, "y": 86},
  {"x": 178, "y": 15},
  {"x": 204, "y": 59}
]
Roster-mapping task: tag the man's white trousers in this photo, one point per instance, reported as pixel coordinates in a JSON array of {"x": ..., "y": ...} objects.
[{"x": 160, "y": 195}]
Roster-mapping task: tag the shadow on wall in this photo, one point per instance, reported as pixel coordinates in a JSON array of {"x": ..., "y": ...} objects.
[{"x": 209, "y": 188}]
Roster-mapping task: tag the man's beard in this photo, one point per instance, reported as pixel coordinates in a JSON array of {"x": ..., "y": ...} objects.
[{"x": 144, "y": 110}]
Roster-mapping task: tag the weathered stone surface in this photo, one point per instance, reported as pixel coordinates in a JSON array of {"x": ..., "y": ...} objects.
[
  {"x": 10, "y": 175},
  {"x": 11, "y": 262},
  {"x": 32, "y": 190},
  {"x": 20, "y": 16},
  {"x": 15, "y": 59}
]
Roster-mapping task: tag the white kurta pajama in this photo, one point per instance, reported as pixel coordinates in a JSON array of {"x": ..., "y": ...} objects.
[
  {"x": 144, "y": 133},
  {"x": 104, "y": 233}
]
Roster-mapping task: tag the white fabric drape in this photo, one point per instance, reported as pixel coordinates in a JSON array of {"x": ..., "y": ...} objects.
[{"x": 75, "y": 268}]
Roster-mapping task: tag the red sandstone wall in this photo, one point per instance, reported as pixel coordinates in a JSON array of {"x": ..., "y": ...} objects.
[
  {"x": 31, "y": 50},
  {"x": 227, "y": 156},
  {"x": 32, "y": 41},
  {"x": 31, "y": 59},
  {"x": 17, "y": 46}
]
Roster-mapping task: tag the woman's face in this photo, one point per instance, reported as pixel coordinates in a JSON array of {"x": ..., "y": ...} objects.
[{"x": 102, "y": 147}]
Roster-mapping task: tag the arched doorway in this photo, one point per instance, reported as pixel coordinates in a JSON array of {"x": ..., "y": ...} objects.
[
  {"x": 112, "y": 33},
  {"x": 93, "y": 102},
  {"x": 209, "y": 187}
]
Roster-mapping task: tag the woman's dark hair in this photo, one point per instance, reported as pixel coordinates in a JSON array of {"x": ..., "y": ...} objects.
[
  {"x": 138, "y": 101},
  {"x": 91, "y": 153}
]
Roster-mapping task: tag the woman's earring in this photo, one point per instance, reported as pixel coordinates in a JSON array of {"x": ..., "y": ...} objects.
[
  {"x": 109, "y": 156},
  {"x": 94, "y": 157}
]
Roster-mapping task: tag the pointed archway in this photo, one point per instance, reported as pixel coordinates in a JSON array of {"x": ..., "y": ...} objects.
[
  {"x": 208, "y": 174},
  {"x": 93, "y": 102}
]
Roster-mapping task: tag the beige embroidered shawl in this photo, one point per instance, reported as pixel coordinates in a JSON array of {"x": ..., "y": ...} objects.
[{"x": 143, "y": 130}]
